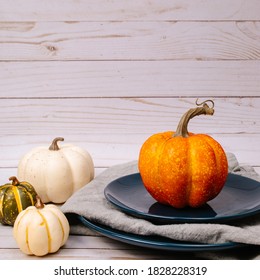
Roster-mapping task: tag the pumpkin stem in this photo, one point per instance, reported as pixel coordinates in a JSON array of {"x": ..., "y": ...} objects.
[
  {"x": 54, "y": 145},
  {"x": 182, "y": 129},
  {"x": 39, "y": 204},
  {"x": 15, "y": 181}
]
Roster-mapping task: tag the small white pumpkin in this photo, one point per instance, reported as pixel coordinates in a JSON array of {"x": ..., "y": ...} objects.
[
  {"x": 56, "y": 172},
  {"x": 41, "y": 229}
]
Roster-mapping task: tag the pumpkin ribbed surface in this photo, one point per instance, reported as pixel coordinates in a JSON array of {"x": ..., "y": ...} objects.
[
  {"x": 182, "y": 171},
  {"x": 56, "y": 172},
  {"x": 14, "y": 199},
  {"x": 41, "y": 231},
  {"x": 181, "y": 168}
]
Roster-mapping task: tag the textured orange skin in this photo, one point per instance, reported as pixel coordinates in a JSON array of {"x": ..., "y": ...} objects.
[{"x": 182, "y": 171}]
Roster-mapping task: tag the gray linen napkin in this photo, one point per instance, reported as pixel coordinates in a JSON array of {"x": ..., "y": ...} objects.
[{"x": 91, "y": 203}]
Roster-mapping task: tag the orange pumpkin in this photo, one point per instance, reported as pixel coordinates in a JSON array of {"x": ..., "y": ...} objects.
[{"x": 183, "y": 169}]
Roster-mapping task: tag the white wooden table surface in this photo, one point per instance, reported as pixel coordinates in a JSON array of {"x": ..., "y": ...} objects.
[{"x": 105, "y": 75}]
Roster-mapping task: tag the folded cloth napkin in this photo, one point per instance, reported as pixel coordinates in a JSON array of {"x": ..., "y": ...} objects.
[{"x": 91, "y": 203}]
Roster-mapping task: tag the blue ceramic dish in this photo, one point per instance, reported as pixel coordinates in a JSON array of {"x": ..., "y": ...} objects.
[{"x": 239, "y": 198}]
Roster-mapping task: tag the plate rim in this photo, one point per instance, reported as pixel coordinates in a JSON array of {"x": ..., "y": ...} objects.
[
  {"x": 163, "y": 219},
  {"x": 143, "y": 241}
]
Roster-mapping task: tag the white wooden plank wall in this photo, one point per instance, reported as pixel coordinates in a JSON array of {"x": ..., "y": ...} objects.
[{"x": 107, "y": 74}]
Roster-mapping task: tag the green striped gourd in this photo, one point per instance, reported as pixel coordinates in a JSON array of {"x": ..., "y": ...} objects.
[{"x": 15, "y": 197}]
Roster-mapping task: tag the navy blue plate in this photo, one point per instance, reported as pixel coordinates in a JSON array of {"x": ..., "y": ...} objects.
[
  {"x": 155, "y": 242},
  {"x": 239, "y": 198}
]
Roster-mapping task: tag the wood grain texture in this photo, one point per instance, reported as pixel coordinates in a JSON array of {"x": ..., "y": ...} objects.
[
  {"x": 143, "y": 115},
  {"x": 129, "y": 79},
  {"x": 84, "y": 247},
  {"x": 113, "y": 129},
  {"x": 129, "y": 40},
  {"x": 99, "y": 254},
  {"x": 77, "y": 10}
]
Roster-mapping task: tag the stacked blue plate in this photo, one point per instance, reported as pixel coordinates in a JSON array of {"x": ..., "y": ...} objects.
[{"x": 239, "y": 198}]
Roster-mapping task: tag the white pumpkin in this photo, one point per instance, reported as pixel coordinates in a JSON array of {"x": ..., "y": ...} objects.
[
  {"x": 56, "y": 172},
  {"x": 41, "y": 229}
]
